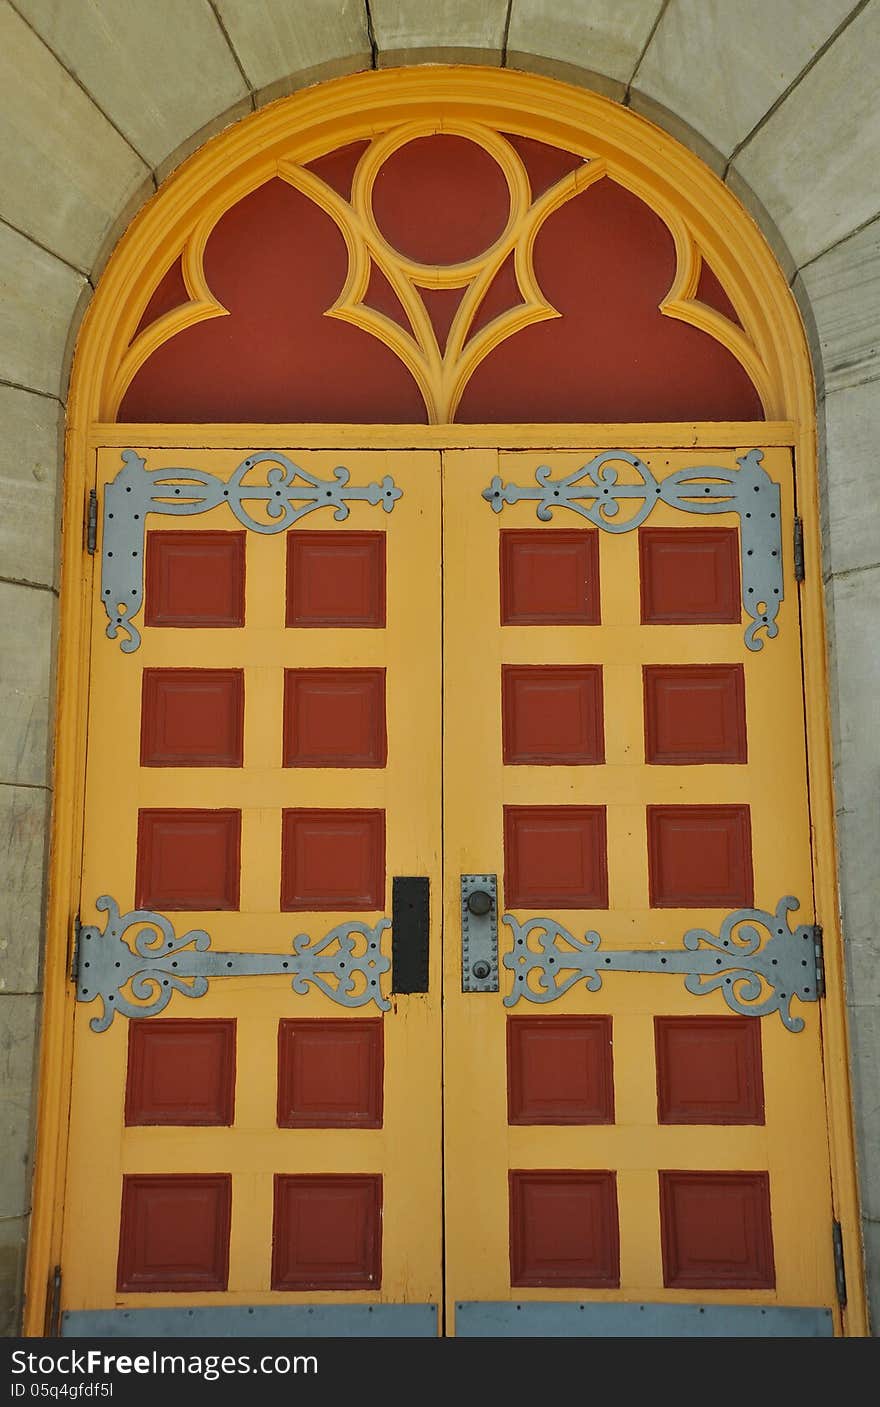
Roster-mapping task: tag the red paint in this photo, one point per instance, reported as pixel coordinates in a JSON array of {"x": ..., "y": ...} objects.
[
  {"x": 327, "y": 1232},
  {"x": 605, "y": 261},
  {"x": 188, "y": 860},
  {"x": 559, "y": 1070},
  {"x": 709, "y": 1070},
  {"x": 716, "y": 1231},
  {"x": 549, "y": 577},
  {"x": 337, "y": 168},
  {"x": 700, "y": 857},
  {"x": 502, "y": 294},
  {"x": 552, "y": 714},
  {"x": 711, "y": 292},
  {"x": 545, "y": 165},
  {"x": 441, "y": 200},
  {"x": 195, "y": 579},
  {"x": 381, "y": 297},
  {"x": 695, "y": 713},
  {"x": 180, "y": 1072},
  {"x": 441, "y": 305},
  {"x": 330, "y": 1074},
  {"x": 564, "y": 1229},
  {"x": 334, "y": 718},
  {"x": 192, "y": 717},
  {"x": 174, "y": 1232},
  {"x": 276, "y": 262},
  {"x": 332, "y": 860},
  {"x": 170, "y": 292},
  {"x": 689, "y": 576},
  {"x": 555, "y": 857},
  {"x": 336, "y": 579}
]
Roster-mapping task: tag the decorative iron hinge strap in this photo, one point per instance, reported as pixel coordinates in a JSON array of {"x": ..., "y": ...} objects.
[
  {"x": 839, "y": 1263},
  {"x": 754, "y": 979},
  {"x": 287, "y": 496},
  {"x": 159, "y": 963},
  {"x": 593, "y": 491}
]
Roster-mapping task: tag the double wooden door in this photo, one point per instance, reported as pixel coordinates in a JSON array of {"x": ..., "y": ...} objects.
[{"x": 441, "y": 815}]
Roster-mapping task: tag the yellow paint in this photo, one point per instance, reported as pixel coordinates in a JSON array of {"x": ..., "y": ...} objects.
[
  {"x": 405, "y": 1151},
  {"x": 480, "y": 1147},
  {"x": 706, "y": 222}
]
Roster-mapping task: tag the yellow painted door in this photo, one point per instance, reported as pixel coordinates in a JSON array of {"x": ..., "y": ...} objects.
[
  {"x": 624, "y": 750},
  {"x": 263, "y": 762}
]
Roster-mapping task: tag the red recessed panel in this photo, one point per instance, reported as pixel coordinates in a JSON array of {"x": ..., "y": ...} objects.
[
  {"x": 336, "y": 579},
  {"x": 334, "y": 718},
  {"x": 689, "y": 576},
  {"x": 564, "y": 1229},
  {"x": 552, "y": 714},
  {"x": 555, "y": 857},
  {"x": 559, "y": 1070},
  {"x": 195, "y": 579},
  {"x": 549, "y": 578},
  {"x": 700, "y": 857},
  {"x": 180, "y": 1072},
  {"x": 174, "y": 1232},
  {"x": 709, "y": 1070},
  {"x": 695, "y": 713},
  {"x": 327, "y": 1232},
  {"x": 192, "y": 717},
  {"x": 333, "y": 860},
  {"x": 188, "y": 860},
  {"x": 330, "y": 1074},
  {"x": 715, "y": 1230}
]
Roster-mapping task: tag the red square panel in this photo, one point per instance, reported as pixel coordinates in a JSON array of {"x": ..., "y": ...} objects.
[
  {"x": 333, "y": 860},
  {"x": 327, "y": 1232},
  {"x": 555, "y": 857},
  {"x": 174, "y": 1232},
  {"x": 700, "y": 857},
  {"x": 188, "y": 860},
  {"x": 549, "y": 576},
  {"x": 336, "y": 579},
  {"x": 180, "y": 1072},
  {"x": 334, "y": 718},
  {"x": 559, "y": 1070},
  {"x": 330, "y": 1074},
  {"x": 192, "y": 717},
  {"x": 195, "y": 579},
  {"x": 715, "y": 1230},
  {"x": 563, "y": 1229},
  {"x": 552, "y": 714},
  {"x": 709, "y": 1070},
  {"x": 689, "y": 575},
  {"x": 695, "y": 713}
]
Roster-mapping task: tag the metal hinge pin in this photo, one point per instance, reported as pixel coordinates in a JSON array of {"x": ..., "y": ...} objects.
[
  {"x": 798, "y": 549},
  {"x": 839, "y": 1265},
  {"x": 92, "y": 522}
]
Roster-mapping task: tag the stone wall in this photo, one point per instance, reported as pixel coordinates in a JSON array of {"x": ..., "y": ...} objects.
[{"x": 100, "y": 100}]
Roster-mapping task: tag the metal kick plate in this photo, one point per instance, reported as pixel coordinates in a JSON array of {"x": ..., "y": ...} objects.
[{"x": 479, "y": 933}]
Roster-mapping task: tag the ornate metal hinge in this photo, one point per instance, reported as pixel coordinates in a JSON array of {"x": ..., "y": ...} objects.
[
  {"x": 754, "y": 980},
  {"x": 160, "y": 963},
  {"x": 594, "y": 492},
  {"x": 288, "y": 495}
]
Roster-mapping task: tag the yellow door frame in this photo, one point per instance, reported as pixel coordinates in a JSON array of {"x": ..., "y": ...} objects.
[{"x": 704, "y": 219}]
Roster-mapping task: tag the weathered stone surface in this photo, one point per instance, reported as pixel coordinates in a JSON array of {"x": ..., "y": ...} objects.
[
  {"x": 26, "y": 625},
  {"x": 19, "y": 1016},
  {"x": 682, "y": 131},
  {"x": 864, "y": 1023},
  {"x": 64, "y": 170},
  {"x": 844, "y": 291},
  {"x": 606, "y": 36},
  {"x": 30, "y": 449},
  {"x": 764, "y": 219},
  {"x": 281, "y": 46},
  {"x": 871, "y": 1235},
  {"x": 38, "y": 301},
  {"x": 437, "y": 27},
  {"x": 24, "y": 815},
  {"x": 161, "y": 71},
  {"x": 814, "y": 161},
  {"x": 746, "y": 55},
  {"x": 851, "y": 426},
  {"x": 13, "y": 1246}
]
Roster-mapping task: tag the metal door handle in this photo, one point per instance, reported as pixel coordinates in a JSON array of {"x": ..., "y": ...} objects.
[{"x": 479, "y": 933}]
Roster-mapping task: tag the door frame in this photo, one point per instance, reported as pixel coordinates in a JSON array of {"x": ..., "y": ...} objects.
[{"x": 683, "y": 190}]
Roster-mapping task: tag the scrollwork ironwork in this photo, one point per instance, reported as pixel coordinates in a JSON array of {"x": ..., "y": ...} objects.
[
  {"x": 594, "y": 492},
  {"x": 755, "y": 977},
  {"x": 159, "y": 963},
  {"x": 289, "y": 494}
]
